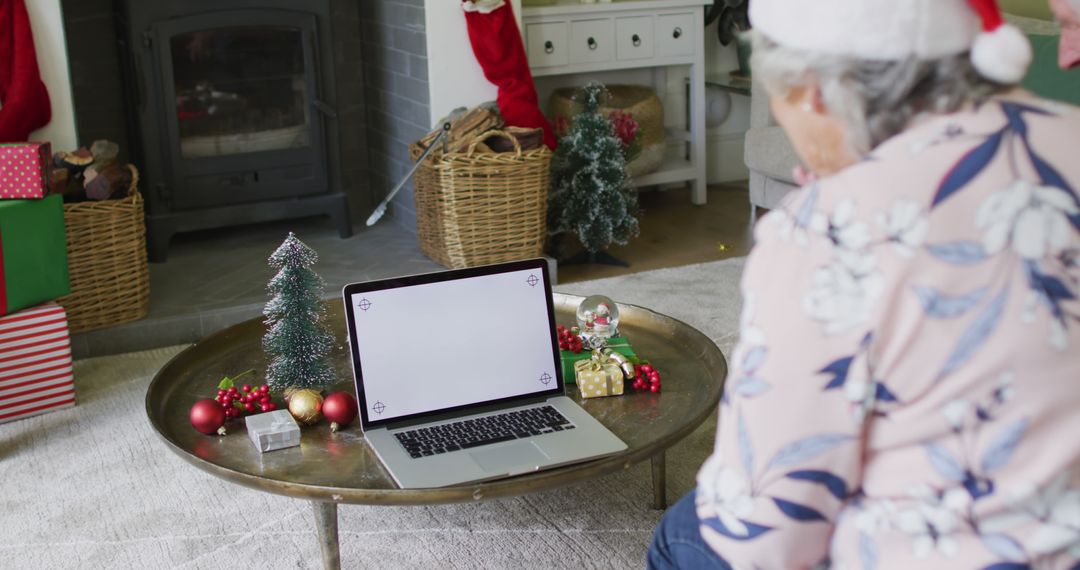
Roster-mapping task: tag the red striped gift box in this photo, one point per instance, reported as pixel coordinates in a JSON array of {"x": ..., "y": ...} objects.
[{"x": 35, "y": 363}]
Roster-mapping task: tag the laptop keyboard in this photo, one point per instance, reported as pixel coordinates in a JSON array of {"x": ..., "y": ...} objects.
[{"x": 482, "y": 431}]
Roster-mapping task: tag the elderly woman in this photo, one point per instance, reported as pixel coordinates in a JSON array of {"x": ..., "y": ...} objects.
[{"x": 906, "y": 389}]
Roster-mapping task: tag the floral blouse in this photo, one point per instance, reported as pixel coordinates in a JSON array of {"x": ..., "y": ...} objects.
[{"x": 906, "y": 389}]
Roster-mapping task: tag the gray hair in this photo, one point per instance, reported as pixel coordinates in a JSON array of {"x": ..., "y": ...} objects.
[{"x": 876, "y": 99}]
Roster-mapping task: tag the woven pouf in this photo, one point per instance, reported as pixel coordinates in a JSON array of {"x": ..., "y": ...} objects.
[{"x": 640, "y": 102}]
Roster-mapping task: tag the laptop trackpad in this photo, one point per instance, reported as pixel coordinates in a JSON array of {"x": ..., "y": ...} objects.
[{"x": 516, "y": 458}]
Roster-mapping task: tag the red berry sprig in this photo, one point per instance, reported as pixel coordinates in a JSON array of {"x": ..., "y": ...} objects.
[
  {"x": 646, "y": 378},
  {"x": 568, "y": 339},
  {"x": 247, "y": 399}
]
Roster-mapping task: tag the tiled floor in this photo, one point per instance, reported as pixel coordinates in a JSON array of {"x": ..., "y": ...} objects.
[{"x": 214, "y": 279}]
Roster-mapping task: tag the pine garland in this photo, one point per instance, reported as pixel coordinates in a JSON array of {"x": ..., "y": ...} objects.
[
  {"x": 591, "y": 194},
  {"x": 296, "y": 340}
]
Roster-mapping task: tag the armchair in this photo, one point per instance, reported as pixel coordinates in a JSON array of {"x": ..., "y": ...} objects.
[{"x": 768, "y": 155}]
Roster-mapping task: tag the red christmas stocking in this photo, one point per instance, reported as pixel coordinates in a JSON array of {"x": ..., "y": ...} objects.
[
  {"x": 497, "y": 44},
  {"x": 23, "y": 96}
]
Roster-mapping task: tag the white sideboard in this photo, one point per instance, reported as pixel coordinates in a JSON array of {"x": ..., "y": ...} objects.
[{"x": 569, "y": 37}]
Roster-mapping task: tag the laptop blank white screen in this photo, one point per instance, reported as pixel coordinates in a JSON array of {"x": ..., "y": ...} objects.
[{"x": 440, "y": 345}]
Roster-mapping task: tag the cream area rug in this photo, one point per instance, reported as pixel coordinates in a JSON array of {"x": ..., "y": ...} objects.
[{"x": 93, "y": 487}]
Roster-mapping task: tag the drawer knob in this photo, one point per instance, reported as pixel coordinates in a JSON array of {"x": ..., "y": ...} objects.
[
  {"x": 549, "y": 47},
  {"x": 592, "y": 43},
  {"x": 636, "y": 39},
  {"x": 677, "y": 33}
]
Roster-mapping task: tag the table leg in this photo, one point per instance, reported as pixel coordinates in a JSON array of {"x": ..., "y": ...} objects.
[
  {"x": 326, "y": 524},
  {"x": 659, "y": 481}
]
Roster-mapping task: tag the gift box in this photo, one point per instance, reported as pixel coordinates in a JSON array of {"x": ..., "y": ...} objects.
[
  {"x": 270, "y": 431},
  {"x": 569, "y": 358},
  {"x": 35, "y": 363},
  {"x": 33, "y": 253},
  {"x": 25, "y": 170},
  {"x": 599, "y": 376}
]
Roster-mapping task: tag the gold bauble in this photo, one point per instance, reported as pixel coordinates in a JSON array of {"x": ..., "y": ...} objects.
[
  {"x": 288, "y": 392},
  {"x": 305, "y": 406}
]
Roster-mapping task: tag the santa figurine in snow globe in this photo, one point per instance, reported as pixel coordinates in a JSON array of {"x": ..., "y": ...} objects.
[
  {"x": 602, "y": 324},
  {"x": 590, "y": 322},
  {"x": 587, "y": 322},
  {"x": 598, "y": 319}
]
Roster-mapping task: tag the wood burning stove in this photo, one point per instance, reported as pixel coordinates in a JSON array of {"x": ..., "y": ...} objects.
[{"x": 235, "y": 112}]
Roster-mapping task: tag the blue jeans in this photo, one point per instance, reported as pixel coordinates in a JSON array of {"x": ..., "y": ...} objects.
[{"x": 677, "y": 542}]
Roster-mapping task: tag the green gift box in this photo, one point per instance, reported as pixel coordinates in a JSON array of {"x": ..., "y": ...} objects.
[
  {"x": 33, "y": 253},
  {"x": 616, "y": 343}
]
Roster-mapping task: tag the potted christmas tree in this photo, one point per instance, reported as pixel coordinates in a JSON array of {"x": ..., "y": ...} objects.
[
  {"x": 591, "y": 193},
  {"x": 733, "y": 19}
]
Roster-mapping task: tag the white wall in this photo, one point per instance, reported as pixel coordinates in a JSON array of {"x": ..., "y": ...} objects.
[
  {"x": 47, "y": 23},
  {"x": 454, "y": 77}
]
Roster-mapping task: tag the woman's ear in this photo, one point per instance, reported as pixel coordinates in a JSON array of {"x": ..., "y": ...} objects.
[
  {"x": 817, "y": 99},
  {"x": 807, "y": 98},
  {"x": 818, "y": 138}
]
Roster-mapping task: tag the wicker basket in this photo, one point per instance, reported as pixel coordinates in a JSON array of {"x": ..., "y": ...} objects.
[
  {"x": 479, "y": 208},
  {"x": 110, "y": 282}
]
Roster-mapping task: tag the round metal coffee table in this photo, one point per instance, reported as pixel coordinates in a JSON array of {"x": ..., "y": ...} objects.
[{"x": 330, "y": 468}]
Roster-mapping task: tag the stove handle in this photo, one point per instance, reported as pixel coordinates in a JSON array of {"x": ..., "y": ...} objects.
[{"x": 325, "y": 109}]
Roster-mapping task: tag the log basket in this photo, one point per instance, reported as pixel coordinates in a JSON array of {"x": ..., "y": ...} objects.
[
  {"x": 106, "y": 243},
  {"x": 477, "y": 208}
]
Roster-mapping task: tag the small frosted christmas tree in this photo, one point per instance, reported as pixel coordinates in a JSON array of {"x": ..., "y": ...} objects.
[
  {"x": 591, "y": 194},
  {"x": 296, "y": 341}
]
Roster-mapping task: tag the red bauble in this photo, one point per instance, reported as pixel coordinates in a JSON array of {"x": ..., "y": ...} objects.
[
  {"x": 340, "y": 409},
  {"x": 207, "y": 417}
]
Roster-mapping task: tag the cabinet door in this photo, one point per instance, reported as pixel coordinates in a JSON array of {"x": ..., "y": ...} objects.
[
  {"x": 546, "y": 44},
  {"x": 634, "y": 37},
  {"x": 591, "y": 41},
  {"x": 675, "y": 34}
]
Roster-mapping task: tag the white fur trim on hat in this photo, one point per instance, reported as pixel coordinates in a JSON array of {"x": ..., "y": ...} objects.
[
  {"x": 869, "y": 29},
  {"x": 1002, "y": 55},
  {"x": 482, "y": 6}
]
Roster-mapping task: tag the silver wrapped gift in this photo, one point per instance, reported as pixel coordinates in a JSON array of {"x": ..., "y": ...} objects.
[{"x": 273, "y": 430}]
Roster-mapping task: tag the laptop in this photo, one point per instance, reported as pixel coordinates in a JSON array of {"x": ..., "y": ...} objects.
[{"x": 458, "y": 376}]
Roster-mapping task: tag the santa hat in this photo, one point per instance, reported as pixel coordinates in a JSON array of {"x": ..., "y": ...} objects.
[{"x": 897, "y": 29}]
